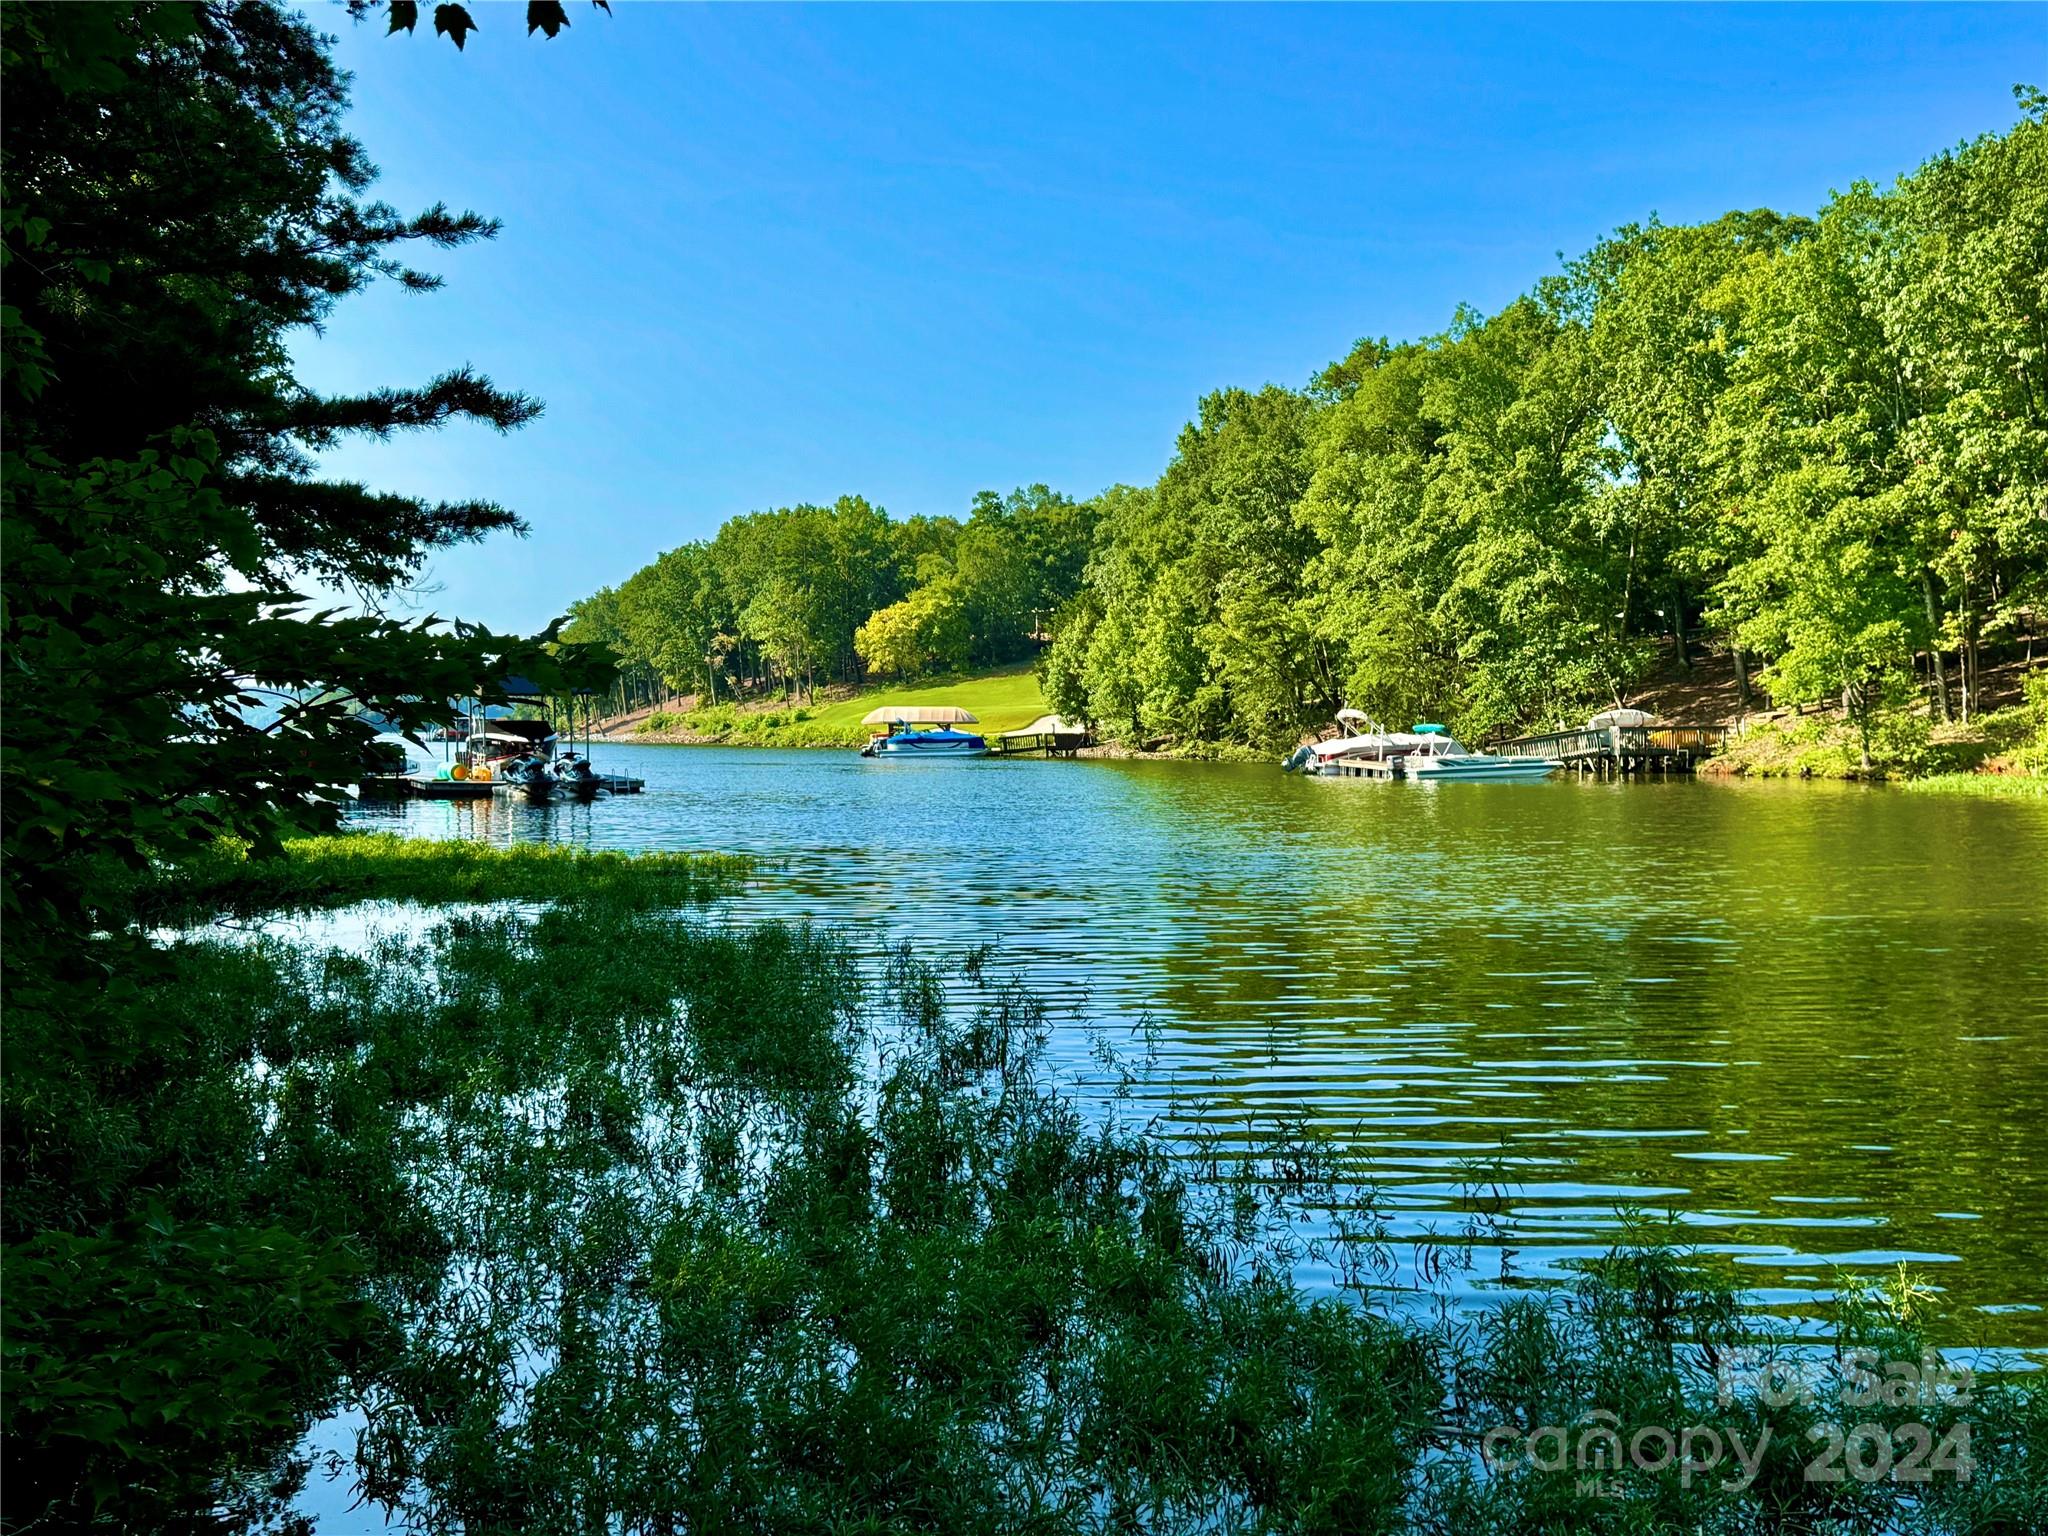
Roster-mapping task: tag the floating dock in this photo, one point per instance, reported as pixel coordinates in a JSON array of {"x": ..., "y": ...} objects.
[{"x": 399, "y": 787}]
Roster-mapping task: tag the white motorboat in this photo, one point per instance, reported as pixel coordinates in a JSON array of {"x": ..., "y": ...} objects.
[
  {"x": 1358, "y": 735},
  {"x": 1441, "y": 758},
  {"x": 922, "y": 732}
]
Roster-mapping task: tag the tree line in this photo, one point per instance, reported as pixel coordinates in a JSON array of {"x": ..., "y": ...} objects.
[
  {"x": 1817, "y": 444},
  {"x": 786, "y": 598},
  {"x": 1821, "y": 442}
]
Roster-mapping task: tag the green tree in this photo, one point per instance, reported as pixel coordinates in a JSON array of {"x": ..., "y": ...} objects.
[
  {"x": 927, "y": 632},
  {"x": 1809, "y": 427},
  {"x": 163, "y": 521},
  {"x": 1667, "y": 327},
  {"x": 1963, "y": 298}
]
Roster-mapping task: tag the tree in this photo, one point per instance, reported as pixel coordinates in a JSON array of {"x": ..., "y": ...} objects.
[
  {"x": 1667, "y": 327},
  {"x": 161, "y": 500},
  {"x": 1963, "y": 298},
  {"x": 1819, "y": 439},
  {"x": 926, "y": 632},
  {"x": 1808, "y": 428},
  {"x": 162, "y": 518}
]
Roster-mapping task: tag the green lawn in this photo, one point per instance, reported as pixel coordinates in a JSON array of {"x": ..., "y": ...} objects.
[{"x": 1001, "y": 700}]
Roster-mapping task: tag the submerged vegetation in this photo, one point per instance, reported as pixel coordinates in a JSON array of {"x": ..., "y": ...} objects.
[{"x": 743, "y": 1234}]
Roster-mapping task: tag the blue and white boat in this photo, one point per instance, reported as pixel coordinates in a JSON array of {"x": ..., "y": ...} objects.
[
  {"x": 1441, "y": 758},
  {"x": 922, "y": 732},
  {"x": 1356, "y": 736}
]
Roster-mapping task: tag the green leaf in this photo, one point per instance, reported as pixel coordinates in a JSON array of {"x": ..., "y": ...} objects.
[
  {"x": 405, "y": 15},
  {"x": 545, "y": 16}
]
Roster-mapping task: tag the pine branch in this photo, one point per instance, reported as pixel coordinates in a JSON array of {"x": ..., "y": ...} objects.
[{"x": 459, "y": 395}]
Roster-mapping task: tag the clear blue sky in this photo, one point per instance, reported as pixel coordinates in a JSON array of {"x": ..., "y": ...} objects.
[{"x": 756, "y": 255}]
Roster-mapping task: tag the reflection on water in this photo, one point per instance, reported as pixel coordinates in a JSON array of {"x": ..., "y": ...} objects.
[{"x": 1808, "y": 1019}]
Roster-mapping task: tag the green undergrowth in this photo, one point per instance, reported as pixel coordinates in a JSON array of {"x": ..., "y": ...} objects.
[
  {"x": 595, "y": 1216},
  {"x": 2000, "y": 752}
]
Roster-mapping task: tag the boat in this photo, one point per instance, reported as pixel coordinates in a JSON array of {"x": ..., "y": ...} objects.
[
  {"x": 927, "y": 731},
  {"x": 1442, "y": 758},
  {"x": 514, "y": 753},
  {"x": 1358, "y": 736},
  {"x": 525, "y": 758},
  {"x": 571, "y": 774}
]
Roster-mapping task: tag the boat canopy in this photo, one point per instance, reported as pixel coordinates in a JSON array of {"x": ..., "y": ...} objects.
[
  {"x": 1048, "y": 725},
  {"x": 1429, "y": 728},
  {"x": 1623, "y": 717},
  {"x": 1353, "y": 717},
  {"x": 918, "y": 714}
]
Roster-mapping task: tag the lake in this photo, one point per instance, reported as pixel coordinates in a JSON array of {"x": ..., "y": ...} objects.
[{"x": 1810, "y": 1020}]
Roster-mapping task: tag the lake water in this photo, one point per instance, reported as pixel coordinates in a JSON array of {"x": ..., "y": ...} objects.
[{"x": 1810, "y": 1020}]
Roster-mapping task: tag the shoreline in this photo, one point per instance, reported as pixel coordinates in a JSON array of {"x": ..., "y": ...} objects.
[
  {"x": 1100, "y": 751},
  {"x": 1990, "y": 785}
]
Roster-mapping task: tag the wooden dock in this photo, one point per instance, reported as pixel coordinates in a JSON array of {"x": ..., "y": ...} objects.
[
  {"x": 1048, "y": 734},
  {"x": 1621, "y": 749}
]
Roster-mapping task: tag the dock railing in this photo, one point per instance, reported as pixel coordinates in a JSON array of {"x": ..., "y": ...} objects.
[
  {"x": 1700, "y": 740},
  {"x": 1622, "y": 746}
]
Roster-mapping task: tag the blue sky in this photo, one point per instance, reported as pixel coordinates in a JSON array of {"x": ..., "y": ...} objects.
[{"x": 759, "y": 255}]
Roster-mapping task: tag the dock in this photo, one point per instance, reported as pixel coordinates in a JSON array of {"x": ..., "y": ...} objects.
[
  {"x": 1621, "y": 749},
  {"x": 388, "y": 787},
  {"x": 1048, "y": 734}
]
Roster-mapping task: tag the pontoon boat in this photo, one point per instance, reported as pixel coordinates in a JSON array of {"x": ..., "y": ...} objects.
[{"x": 922, "y": 732}]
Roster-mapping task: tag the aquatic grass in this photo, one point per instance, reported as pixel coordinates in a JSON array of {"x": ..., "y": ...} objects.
[
  {"x": 313, "y": 873},
  {"x": 597, "y": 1216},
  {"x": 1990, "y": 786},
  {"x": 651, "y": 1225}
]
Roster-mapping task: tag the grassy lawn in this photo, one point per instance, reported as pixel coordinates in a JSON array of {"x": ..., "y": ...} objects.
[{"x": 1001, "y": 700}]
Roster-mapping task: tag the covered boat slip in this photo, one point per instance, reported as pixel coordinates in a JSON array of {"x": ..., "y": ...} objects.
[
  {"x": 1623, "y": 741},
  {"x": 501, "y": 754},
  {"x": 922, "y": 731}
]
